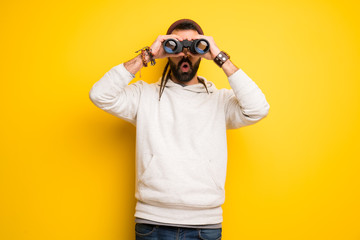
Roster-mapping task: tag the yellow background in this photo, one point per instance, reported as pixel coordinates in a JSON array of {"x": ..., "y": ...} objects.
[{"x": 67, "y": 167}]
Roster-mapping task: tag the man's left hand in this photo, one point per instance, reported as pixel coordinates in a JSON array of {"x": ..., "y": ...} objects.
[{"x": 213, "y": 51}]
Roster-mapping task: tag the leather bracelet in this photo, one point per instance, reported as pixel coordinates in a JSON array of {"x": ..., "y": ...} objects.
[{"x": 221, "y": 58}]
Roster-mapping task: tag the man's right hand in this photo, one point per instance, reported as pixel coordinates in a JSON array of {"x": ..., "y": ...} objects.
[
  {"x": 158, "y": 50},
  {"x": 135, "y": 64}
]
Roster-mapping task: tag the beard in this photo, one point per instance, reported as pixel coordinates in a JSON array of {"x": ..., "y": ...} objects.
[{"x": 184, "y": 76}]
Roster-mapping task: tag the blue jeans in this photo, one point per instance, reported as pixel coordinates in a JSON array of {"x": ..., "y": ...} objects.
[{"x": 155, "y": 232}]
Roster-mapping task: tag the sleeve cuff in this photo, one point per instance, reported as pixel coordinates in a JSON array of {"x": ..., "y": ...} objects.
[
  {"x": 119, "y": 76},
  {"x": 123, "y": 71}
]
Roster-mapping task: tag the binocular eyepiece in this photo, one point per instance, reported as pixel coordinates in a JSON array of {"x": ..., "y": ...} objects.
[{"x": 198, "y": 46}]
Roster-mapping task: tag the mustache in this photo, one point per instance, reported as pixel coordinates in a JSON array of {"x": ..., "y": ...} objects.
[{"x": 184, "y": 59}]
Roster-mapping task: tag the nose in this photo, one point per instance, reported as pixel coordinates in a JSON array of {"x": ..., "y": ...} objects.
[{"x": 186, "y": 51}]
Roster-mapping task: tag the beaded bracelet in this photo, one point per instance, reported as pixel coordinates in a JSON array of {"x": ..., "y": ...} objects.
[{"x": 146, "y": 51}]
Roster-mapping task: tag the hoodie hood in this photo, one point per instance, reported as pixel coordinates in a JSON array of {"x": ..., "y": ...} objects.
[{"x": 198, "y": 88}]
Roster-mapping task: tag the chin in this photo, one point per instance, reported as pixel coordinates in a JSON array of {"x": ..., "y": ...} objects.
[{"x": 184, "y": 77}]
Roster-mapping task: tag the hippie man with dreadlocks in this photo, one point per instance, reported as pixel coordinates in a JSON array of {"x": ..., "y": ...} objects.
[{"x": 181, "y": 123}]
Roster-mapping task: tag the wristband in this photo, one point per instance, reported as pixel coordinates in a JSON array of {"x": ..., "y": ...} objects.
[
  {"x": 146, "y": 51},
  {"x": 221, "y": 58}
]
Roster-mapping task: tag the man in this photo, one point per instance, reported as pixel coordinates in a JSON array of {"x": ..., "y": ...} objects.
[{"x": 181, "y": 122}]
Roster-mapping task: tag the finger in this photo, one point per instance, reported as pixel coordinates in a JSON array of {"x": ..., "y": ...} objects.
[
  {"x": 198, "y": 37},
  {"x": 192, "y": 55},
  {"x": 173, "y": 36},
  {"x": 162, "y": 38},
  {"x": 181, "y": 54}
]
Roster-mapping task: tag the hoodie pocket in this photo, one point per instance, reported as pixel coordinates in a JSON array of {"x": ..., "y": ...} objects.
[{"x": 179, "y": 181}]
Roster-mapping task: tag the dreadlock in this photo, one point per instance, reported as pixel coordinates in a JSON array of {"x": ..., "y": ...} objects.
[{"x": 164, "y": 79}]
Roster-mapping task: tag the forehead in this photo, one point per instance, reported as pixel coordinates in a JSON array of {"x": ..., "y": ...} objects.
[{"x": 188, "y": 33}]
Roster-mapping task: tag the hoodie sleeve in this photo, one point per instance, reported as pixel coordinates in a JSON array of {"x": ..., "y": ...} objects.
[
  {"x": 245, "y": 104},
  {"x": 113, "y": 94}
]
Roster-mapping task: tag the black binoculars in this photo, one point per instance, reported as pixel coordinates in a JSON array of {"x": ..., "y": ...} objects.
[{"x": 198, "y": 46}]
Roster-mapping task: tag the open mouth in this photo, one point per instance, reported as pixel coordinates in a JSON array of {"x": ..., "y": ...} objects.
[{"x": 185, "y": 67}]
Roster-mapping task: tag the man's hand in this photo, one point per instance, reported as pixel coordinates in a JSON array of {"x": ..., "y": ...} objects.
[
  {"x": 158, "y": 50},
  {"x": 135, "y": 64},
  {"x": 228, "y": 67},
  {"x": 213, "y": 51}
]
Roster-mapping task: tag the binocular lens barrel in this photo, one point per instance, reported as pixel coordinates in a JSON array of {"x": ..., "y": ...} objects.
[
  {"x": 170, "y": 46},
  {"x": 202, "y": 46},
  {"x": 198, "y": 46}
]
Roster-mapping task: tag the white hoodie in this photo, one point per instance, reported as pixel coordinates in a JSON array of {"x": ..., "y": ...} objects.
[{"x": 181, "y": 149}]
